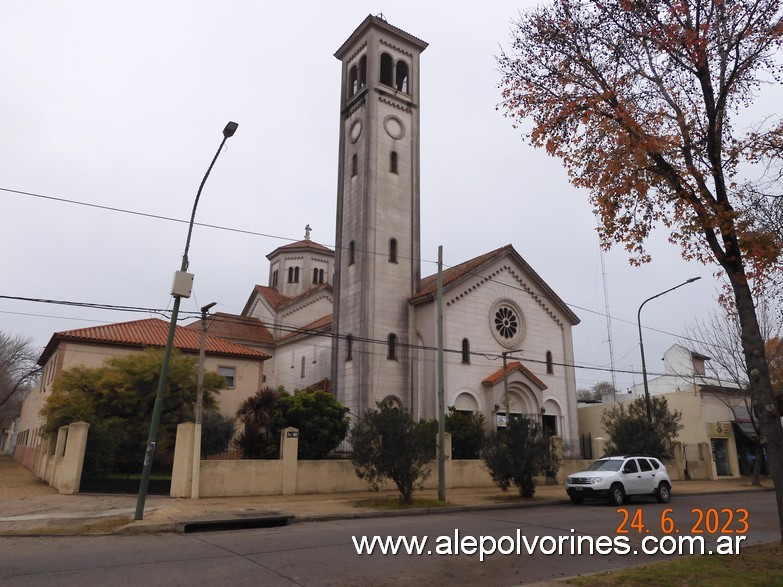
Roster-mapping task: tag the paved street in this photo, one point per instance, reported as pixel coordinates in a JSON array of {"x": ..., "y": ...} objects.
[{"x": 322, "y": 553}]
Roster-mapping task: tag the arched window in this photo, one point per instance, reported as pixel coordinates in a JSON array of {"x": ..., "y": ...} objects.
[
  {"x": 402, "y": 76},
  {"x": 290, "y": 275},
  {"x": 387, "y": 69},
  {"x": 351, "y": 253},
  {"x": 465, "y": 350},
  {"x": 362, "y": 71},
  {"x": 274, "y": 278},
  {"x": 320, "y": 276},
  {"x": 392, "y": 250},
  {"x": 393, "y": 162},
  {"x": 354, "y": 165},
  {"x": 315, "y": 275},
  {"x": 302, "y": 369},
  {"x": 296, "y": 274},
  {"x": 550, "y": 366},
  {"x": 349, "y": 347},
  {"x": 392, "y": 344},
  {"x": 353, "y": 81}
]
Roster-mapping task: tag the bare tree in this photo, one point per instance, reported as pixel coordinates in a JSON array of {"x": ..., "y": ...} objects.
[
  {"x": 719, "y": 338},
  {"x": 18, "y": 373}
]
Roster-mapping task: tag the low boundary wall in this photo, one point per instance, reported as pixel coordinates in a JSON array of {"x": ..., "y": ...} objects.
[{"x": 289, "y": 476}]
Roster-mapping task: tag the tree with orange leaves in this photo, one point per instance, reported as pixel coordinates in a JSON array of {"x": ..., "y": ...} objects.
[{"x": 640, "y": 99}]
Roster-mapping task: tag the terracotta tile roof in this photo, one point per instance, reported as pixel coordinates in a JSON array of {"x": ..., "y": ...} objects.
[
  {"x": 303, "y": 244},
  {"x": 277, "y": 300},
  {"x": 151, "y": 332},
  {"x": 242, "y": 329},
  {"x": 429, "y": 285},
  {"x": 309, "y": 292},
  {"x": 273, "y": 297},
  {"x": 497, "y": 376},
  {"x": 323, "y": 323},
  {"x": 323, "y": 385}
]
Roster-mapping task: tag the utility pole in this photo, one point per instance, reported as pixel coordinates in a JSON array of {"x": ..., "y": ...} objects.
[
  {"x": 196, "y": 470},
  {"x": 441, "y": 387}
]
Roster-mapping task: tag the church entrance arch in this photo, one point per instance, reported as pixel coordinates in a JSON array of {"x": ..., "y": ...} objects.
[
  {"x": 466, "y": 402},
  {"x": 522, "y": 400}
]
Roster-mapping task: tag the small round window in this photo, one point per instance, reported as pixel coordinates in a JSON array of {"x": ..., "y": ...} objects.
[{"x": 507, "y": 323}]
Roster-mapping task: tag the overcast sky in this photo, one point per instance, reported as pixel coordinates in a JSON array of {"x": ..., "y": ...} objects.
[{"x": 122, "y": 104}]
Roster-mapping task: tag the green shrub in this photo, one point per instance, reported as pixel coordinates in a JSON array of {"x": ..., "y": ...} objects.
[
  {"x": 389, "y": 445},
  {"x": 516, "y": 454}
]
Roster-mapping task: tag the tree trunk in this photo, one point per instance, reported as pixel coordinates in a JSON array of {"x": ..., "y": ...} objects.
[
  {"x": 755, "y": 479},
  {"x": 766, "y": 405}
]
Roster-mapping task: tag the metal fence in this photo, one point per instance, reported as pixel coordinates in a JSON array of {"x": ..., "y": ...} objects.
[{"x": 586, "y": 446}]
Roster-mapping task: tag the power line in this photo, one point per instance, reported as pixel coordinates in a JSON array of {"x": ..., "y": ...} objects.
[
  {"x": 317, "y": 332},
  {"x": 539, "y": 295},
  {"x": 144, "y": 214},
  {"x": 289, "y": 239}
]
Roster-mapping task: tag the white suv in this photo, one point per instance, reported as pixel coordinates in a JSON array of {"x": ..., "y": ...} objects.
[{"x": 617, "y": 478}]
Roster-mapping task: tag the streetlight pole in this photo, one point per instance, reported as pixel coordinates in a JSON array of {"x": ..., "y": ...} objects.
[
  {"x": 180, "y": 289},
  {"x": 641, "y": 345}
]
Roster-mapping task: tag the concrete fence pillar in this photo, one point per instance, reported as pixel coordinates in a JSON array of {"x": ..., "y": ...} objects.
[
  {"x": 45, "y": 456},
  {"x": 289, "y": 454},
  {"x": 182, "y": 471},
  {"x": 69, "y": 475},
  {"x": 599, "y": 447},
  {"x": 55, "y": 460}
]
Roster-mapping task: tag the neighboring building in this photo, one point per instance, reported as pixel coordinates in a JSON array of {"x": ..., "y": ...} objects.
[
  {"x": 361, "y": 321},
  {"x": 715, "y": 414},
  {"x": 683, "y": 369},
  {"x": 242, "y": 366}
]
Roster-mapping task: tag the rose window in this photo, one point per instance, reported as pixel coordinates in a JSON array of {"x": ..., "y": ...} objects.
[{"x": 506, "y": 322}]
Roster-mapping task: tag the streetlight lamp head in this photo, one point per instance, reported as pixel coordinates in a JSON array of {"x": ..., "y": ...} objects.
[
  {"x": 208, "y": 307},
  {"x": 230, "y": 129},
  {"x": 692, "y": 279}
]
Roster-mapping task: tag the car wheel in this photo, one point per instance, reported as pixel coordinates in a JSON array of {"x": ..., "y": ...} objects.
[
  {"x": 664, "y": 493},
  {"x": 577, "y": 499},
  {"x": 616, "y": 495}
]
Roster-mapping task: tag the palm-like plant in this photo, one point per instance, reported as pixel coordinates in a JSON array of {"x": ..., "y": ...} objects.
[{"x": 256, "y": 413}]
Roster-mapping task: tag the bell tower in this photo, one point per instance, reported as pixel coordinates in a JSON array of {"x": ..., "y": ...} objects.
[{"x": 378, "y": 240}]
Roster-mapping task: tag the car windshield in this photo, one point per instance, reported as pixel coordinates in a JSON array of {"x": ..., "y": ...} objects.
[{"x": 605, "y": 466}]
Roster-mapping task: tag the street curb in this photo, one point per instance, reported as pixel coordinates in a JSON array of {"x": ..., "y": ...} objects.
[
  {"x": 455, "y": 509},
  {"x": 173, "y": 526},
  {"x": 144, "y": 527},
  {"x": 135, "y": 529}
]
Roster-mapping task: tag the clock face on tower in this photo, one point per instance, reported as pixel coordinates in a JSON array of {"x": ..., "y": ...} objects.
[
  {"x": 394, "y": 127},
  {"x": 355, "y": 131}
]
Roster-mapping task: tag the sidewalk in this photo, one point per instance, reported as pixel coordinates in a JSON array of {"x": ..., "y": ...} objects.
[{"x": 29, "y": 507}]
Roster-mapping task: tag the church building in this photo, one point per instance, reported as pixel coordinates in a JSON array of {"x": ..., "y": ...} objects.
[{"x": 361, "y": 321}]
